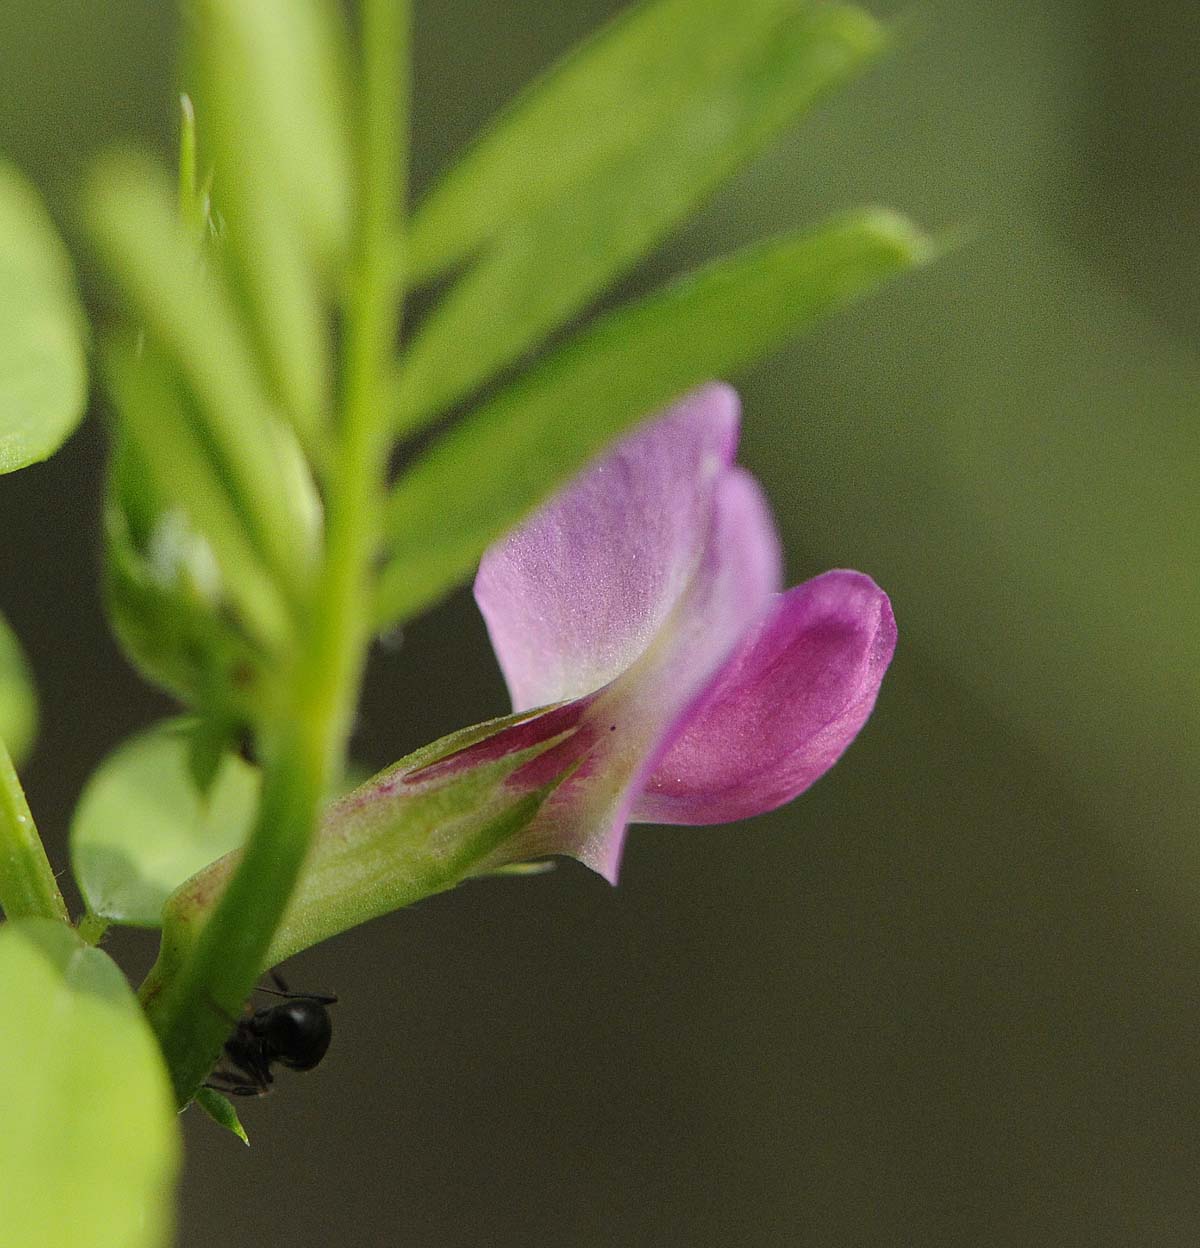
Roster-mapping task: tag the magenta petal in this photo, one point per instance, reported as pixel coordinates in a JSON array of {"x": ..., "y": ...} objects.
[
  {"x": 784, "y": 709},
  {"x": 575, "y": 595},
  {"x": 635, "y": 719}
]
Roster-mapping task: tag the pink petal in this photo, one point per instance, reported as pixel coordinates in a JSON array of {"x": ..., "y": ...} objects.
[
  {"x": 634, "y": 720},
  {"x": 784, "y": 709},
  {"x": 575, "y": 595}
]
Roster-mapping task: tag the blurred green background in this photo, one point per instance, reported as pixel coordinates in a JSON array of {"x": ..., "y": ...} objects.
[{"x": 950, "y": 996}]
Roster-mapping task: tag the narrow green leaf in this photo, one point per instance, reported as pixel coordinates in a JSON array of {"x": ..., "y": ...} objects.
[
  {"x": 296, "y": 52},
  {"x": 18, "y": 699},
  {"x": 191, "y": 201},
  {"x": 180, "y": 468},
  {"x": 542, "y": 266},
  {"x": 220, "y": 1109},
  {"x": 43, "y": 375},
  {"x": 503, "y": 458},
  {"x": 166, "y": 598},
  {"x": 90, "y": 1146},
  {"x": 169, "y": 626},
  {"x": 190, "y": 313},
  {"x": 272, "y": 90},
  {"x": 608, "y": 96},
  {"x": 143, "y": 826}
]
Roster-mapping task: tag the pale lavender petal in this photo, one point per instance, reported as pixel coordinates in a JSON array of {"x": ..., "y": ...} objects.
[
  {"x": 784, "y": 709},
  {"x": 635, "y": 719},
  {"x": 576, "y": 594}
]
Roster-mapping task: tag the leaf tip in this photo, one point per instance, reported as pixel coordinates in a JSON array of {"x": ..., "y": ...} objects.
[
  {"x": 220, "y": 1109},
  {"x": 900, "y": 238}
]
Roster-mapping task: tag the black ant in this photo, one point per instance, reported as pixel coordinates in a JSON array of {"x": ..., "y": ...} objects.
[{"x": 295, "y": 1033}]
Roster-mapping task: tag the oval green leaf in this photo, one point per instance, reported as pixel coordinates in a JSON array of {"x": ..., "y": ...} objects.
[
  {"x": 43, "y": 376},
  {"x": 90, "y": 1146},
  {"x": 143, "y": 826}
]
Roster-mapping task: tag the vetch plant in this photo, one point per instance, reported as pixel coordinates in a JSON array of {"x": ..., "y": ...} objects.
[
  {"x": 657, "y": 676},
  {"x": 258, "y": 385}
]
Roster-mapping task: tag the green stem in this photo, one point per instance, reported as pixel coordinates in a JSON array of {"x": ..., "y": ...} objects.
[
  {"x": 191, "y": 1008},
  {"x": 383, "y": 184},
  {"x": 28, "y": 888},
  {"x": 304, "y": 741}
]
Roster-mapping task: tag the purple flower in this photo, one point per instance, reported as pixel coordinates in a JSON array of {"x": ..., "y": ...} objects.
[
  {"x": 656, "y": 672},
  {"x": 642, "y": 604}
]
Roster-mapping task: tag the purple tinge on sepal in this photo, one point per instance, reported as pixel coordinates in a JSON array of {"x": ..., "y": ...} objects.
[
  {"x": 644, "y": 596},
  {"x": 525, "y": 734}
]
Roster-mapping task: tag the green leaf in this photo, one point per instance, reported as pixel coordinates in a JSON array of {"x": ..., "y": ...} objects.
[
  {"x": 220, "y": 1109},
  {"x": 90, "y": 1146},
  {"x": 18, "y": 700},
  {"x": 142, "y": 825},
  {"x": 503, "y": 458},
  {"x": 168, "y": 476},
  {"x": 164, "y": 597},
  {"x": 190, "y": 314},
  {"x": 607, "y": 97},
  {"x": 543, "y": 265},
  {"x": 43, "y": 375},
  {"x": 273, "y": 100}
]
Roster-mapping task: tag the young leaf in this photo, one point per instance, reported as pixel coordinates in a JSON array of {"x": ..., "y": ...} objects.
[
  {"x": 90, "y": 1146},
  {"x": 607, "y": 97},
  {"x": 220, "y": 1109},
  {"x": 542, "y": 266},
  {"x": 142, "y": 825},
  {"x": 165, "y": 597},
  {"x": 169, "y": 628},
  {"x": 272, "y": 94},
  {"x": 191, "y": 315},
  {"x": 498, "y": 462},
  {"x": 163, "y": 460},
  {"x": 18, "y": 700},
  {"x": 43, "y": 378}
]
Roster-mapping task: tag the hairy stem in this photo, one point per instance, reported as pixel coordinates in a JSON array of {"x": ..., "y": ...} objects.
[{"x": 28, "y": 888}]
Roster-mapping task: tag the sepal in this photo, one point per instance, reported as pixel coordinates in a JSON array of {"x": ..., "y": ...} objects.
[{"x": 448, "y": 812}]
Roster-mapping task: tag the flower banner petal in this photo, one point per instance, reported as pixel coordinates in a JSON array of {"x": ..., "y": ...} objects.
[{"x": 576, "y": 594}]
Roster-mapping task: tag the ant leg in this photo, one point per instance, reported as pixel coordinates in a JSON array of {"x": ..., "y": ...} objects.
[
  {"x": 319, "y": 998},
  {"x": 238, "y": 1089},
  {"x": 224, "y": 1081},
  {"x": 247, "y": 1081},
  {"x": 281, "y": 990}
]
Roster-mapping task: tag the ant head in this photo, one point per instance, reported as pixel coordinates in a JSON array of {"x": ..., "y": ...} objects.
[{"x": 296, "y": 1033}]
